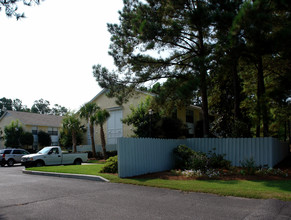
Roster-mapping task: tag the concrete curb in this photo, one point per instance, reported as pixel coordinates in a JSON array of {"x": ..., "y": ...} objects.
[{"x": 66, "y": 175}]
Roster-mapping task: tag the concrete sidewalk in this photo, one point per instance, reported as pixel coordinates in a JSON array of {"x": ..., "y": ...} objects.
[{"x": 66, "y": 175}]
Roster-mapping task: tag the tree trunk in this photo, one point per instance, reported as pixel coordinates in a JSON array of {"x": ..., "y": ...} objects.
[
  {"x": 203, "y": 84},
  {"x": 261, "y": 98},
  {"x": 237, "y": 90},
  {"x": 289, "y": 131},
  {"x": 204, "y": 106},
  {"x": 103, "y": 143},
  {"x": 258, "y": 127},
  {"x": 285, "y": 131},
  {"x": 92, "y": 140},
  {"x": 74, "y": 140}
]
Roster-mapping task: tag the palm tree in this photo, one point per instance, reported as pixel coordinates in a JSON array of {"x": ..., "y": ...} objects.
[
  {"x": 72, "y": 124},
  {"x": 88, "y": 111},
  {"x": 101, "y": 116}
]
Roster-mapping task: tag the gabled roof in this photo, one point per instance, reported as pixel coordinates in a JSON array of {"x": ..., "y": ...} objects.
[
  {"x": 196, "y": 107},
  {"x": 146, "y": 93},
  {"x": 34, "y": 119},
  {"x": 105, "y": 90}
]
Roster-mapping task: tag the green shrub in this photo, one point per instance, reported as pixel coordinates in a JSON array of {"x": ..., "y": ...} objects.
[
  {"x": 99, "y": 155},
  {"x": 111, "y": 153},
  {"x": 111, "y": 165},
  {"x": 198, "y": 161},
  {"x": 272, "y": 172},
  {"x": 217, "y": 161},
  {"x": 182, "y": 156},
  {"x": 249, "y": 165},
  {"x": 186, "y": 159}
]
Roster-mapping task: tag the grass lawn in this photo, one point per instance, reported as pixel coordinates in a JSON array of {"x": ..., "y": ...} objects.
[{"x": 264, "y": 189}]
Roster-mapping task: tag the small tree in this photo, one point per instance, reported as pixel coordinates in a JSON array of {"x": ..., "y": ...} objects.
[
  {"x": 72, "y": 129},
  {"x": 101, "y": 117},
  {"x": 12, "y": 134},
  {"x": 87, "y": 112},
  {"x": 66, "y": 139},
  {"x": 5, "y": 104},
  {"x": 144, "y": 124},
  {"x": 26, "y": 139},
  {"x": 157, "y": 124},
  {"x": 41, "y": 107},
  {"x": 172, "y": 128},
  {"x": 44, "y": 139},
  {"x": 59, "y": 110}
]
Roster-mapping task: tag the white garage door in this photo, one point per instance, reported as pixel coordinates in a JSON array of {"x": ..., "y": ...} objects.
[{"x": 114, "y": 127}]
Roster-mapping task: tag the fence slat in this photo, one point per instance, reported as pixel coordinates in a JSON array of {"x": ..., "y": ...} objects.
[{"x": 137, "y": 156}]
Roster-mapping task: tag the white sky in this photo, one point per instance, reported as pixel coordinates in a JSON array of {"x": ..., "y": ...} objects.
[{"x": 50, "y": 53}]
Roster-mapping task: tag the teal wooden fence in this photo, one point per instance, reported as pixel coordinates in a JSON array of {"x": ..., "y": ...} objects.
[
  {"x": 98, "y": 148},
  {"x": 137, "y": 156}
]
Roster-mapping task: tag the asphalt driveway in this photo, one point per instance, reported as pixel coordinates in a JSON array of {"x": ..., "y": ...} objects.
[{"x": 25, "y": 196}]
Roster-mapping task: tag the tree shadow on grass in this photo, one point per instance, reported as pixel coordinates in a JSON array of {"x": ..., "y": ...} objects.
[{"x": 284, "y": 185}]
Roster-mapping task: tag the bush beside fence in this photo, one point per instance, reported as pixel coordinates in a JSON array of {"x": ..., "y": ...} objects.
[
  {"x": 265, "y": 151},
  {"x": 137, "y": 156}
]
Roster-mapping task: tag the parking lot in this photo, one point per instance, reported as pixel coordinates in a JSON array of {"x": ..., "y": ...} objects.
[{"x": 39, "y": 197}]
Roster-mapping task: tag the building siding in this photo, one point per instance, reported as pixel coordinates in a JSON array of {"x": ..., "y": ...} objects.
[
  {"x": 109, "y": 103},
  {"x": 7, "y": 119},
  {"x": 127, "y": 131}
]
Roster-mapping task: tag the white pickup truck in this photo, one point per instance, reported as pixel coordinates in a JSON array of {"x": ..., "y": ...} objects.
[{"x": 53, "y": 156}]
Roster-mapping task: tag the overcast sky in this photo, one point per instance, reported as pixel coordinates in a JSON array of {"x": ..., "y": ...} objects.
[{"x": 50, "y": 53}]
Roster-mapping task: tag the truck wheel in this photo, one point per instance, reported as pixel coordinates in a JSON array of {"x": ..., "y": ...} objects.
[
  {"x": 39, "y": 163},
  {"x": 78, "y": 162},
  {"x": 10, "y": 162}
]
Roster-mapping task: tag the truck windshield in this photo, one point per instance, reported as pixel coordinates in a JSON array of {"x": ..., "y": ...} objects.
[{"x": 44, "y": 150}]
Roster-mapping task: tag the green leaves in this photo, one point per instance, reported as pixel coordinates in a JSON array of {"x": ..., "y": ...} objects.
[
  {"x": 72, "y": 130},
  {"x": 88, "y": 111},
  {"x": 44, "y": 139},
  {"x": 71, "y": 123},
  {"x": 101, "y": 116},
  {"x": 12, "y": 134},
  {"x": 11, "y": 7},
  {"x": 227, "y": 49}
]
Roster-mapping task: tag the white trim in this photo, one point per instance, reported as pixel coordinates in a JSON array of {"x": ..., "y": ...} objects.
[
  {"x": 99, "y": 94},
  {"x": 114, "y": 126},
  {"x": 105, "y": 90},
  {"x": 115, "y": 108},
  {"x": 196, "y": 107}
]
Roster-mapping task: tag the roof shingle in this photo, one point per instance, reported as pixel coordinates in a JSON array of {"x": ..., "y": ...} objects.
[{"x": 34, "y": 119}]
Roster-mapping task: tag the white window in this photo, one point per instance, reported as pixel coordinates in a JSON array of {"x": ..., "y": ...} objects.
[
  {"x": 114, "y": 127},
  {"x": 52, "y": 131},
  {"x": 34, "y": 130}
]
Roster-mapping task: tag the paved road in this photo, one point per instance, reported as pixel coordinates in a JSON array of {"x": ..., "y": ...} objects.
[{"x": 25, "y": 196}]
